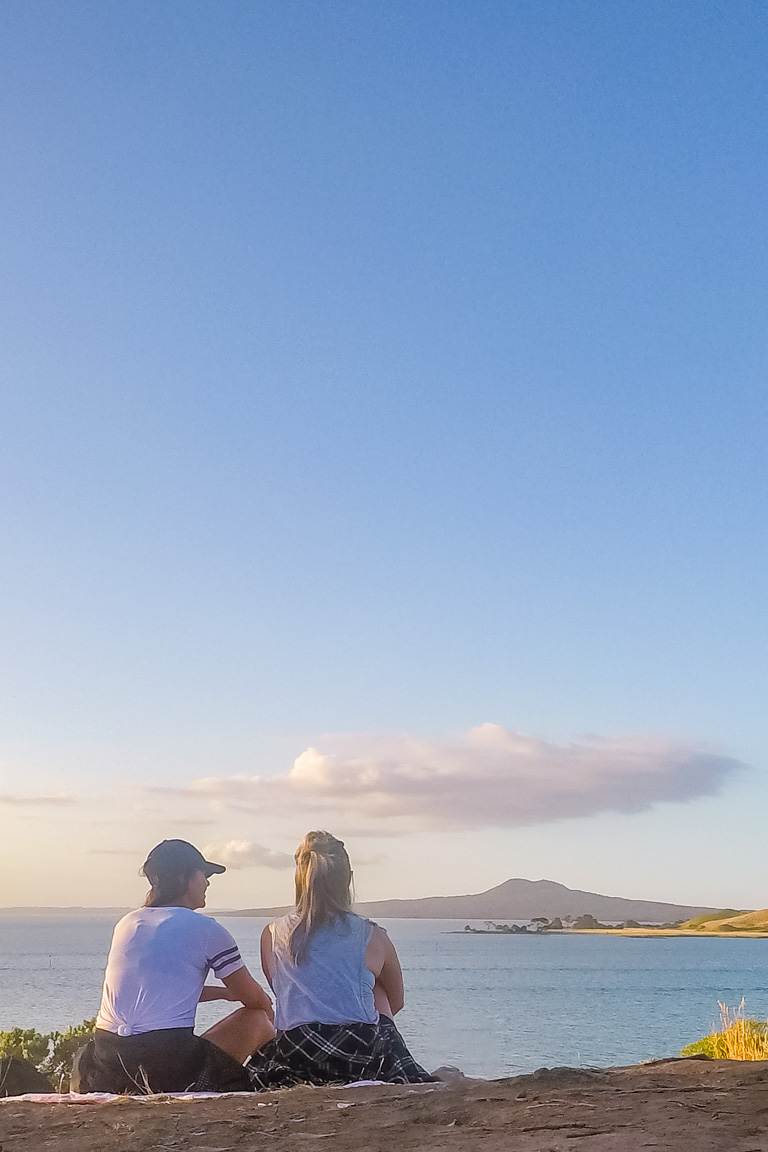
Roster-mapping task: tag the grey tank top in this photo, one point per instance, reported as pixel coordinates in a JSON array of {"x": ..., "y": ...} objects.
[{"x": 331, "y": 985}]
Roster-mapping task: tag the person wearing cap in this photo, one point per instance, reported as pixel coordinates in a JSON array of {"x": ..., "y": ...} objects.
[{"x": 160, "y": 957}]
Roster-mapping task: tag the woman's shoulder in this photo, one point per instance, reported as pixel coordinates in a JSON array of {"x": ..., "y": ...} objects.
[
  {"x": 280, "y": 928},
  {"x": 286, "y": 921},
  {"x": 366, "y": 920},
  {"x": 366, "y": 927}
]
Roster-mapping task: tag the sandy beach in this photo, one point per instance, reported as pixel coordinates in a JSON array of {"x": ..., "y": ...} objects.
[{"x": 675, "y": 1105}]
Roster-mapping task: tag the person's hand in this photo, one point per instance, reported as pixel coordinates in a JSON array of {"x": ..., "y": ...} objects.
[
  {"x": 259, "y": 1001},
  {"x": 265, "y": 1004}
]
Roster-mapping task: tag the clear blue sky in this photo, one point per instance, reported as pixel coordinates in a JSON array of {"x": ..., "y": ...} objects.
[{"x": 380, "y": 367}]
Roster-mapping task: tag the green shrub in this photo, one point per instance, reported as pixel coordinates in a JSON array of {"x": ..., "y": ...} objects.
[
  {"x": 25, "y": 1044},
  {"x": 50, "y": 1052},
  {"x": 63, "y": 1047}
]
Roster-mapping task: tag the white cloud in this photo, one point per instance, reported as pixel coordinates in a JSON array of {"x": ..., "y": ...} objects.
[
  {"x": 245, "y": 854},
  {"x": 489, "y": 776}
]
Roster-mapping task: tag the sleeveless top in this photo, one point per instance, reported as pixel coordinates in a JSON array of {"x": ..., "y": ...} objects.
[{"x": 331, "y": 985}]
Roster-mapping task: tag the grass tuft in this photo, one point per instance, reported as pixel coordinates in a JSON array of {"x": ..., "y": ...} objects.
[{"x": 738, "y": 1037}]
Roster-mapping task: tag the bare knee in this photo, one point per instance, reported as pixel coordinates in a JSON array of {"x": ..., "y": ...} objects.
[
  {"x": 259, "y": 1026},
  {"x": 242, "y": 1033}
]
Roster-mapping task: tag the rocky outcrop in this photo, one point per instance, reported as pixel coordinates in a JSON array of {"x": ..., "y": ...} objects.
[
  {"x": 18, "y": 1077},
  {"x": 671, "y": 1106}
]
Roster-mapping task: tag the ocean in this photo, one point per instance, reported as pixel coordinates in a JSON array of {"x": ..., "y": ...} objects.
[{"x": 493, "y": 1005}]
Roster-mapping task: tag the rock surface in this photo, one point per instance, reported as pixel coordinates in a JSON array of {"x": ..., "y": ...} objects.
[{"x": 670, "y": 1106}]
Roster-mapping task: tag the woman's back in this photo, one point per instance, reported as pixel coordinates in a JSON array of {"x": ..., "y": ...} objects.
[
  {"x": 332, "y": 973},
  {"x": 332, "y": 983}
]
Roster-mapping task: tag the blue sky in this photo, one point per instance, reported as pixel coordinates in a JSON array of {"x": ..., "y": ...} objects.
[{"x": 380, "y": 369}]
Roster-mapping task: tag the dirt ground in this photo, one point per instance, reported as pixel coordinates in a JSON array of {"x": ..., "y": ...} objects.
[{"x": 683, "y": 1105}]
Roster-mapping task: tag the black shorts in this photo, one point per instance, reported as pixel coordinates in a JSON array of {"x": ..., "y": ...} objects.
[{"x": 167, "y": 1060}]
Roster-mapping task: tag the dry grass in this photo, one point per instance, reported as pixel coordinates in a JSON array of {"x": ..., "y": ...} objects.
[
  {"x": 738, "y": 1038},
  {"x": 736, "y": 922}
]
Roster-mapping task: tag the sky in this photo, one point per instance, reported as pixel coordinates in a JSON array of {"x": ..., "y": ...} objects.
[{"x": 382, "y": 444}]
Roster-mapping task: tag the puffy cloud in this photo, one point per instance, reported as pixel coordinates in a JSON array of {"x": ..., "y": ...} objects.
[
  {"x": 489, "y": 776},
  {"x": 245, "y": 854},
  {"x": 19, "y": 800}
]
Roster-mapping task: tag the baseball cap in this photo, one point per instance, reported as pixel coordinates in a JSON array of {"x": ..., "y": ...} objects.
[{"x": 178, "y": 856}]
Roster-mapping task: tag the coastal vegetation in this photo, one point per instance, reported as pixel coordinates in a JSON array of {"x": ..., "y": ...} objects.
[
  {"x": 697, "y": 922},
  {"x": 50, "y": 1052},
  {"x": 730, "y": 921},
  {"x": 539, "y": 924},
  {"x": 737, "y": 1038},
  {"x": 720, "y": 922}
]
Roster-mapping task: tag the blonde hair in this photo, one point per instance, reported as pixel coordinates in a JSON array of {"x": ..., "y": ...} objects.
[{"x": 323, "y": 887}]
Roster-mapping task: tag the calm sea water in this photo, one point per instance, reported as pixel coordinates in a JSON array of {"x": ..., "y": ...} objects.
[{"x": 492, "y": 1005}]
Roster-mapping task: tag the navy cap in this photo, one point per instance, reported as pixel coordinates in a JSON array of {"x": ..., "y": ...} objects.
[{"x": 178, "y": 856}]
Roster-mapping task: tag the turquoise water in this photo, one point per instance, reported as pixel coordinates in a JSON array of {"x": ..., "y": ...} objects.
[{"x": 492, "y": 1005}]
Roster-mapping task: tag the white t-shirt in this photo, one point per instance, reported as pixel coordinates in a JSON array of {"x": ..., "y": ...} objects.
[{"x": 157, "y": 966}]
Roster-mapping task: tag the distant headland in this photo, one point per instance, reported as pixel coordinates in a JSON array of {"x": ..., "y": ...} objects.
[
  {"x": 544, "y": 904},
  {"x": 522, "y": 900}
]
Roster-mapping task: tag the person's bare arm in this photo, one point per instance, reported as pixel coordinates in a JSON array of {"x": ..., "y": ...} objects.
[
  {"x": 382, "y": 960},
  {"x": 391, "y": 978},
  {"x": 247, "y": 991},
  {"x": 266, "y": 955},
  {"x": 214, "y": 992}
]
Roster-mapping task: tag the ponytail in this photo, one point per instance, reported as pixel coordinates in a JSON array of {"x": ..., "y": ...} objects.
[
  {"x": 167, "y": 889},
  {"x": 323, "y": 888}
]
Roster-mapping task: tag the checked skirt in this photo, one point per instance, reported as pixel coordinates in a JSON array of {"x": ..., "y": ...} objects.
[{"x": 335, "y": 1054}]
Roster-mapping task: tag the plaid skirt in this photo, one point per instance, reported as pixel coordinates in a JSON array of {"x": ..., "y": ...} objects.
[{"x": 335, "y": 1054}]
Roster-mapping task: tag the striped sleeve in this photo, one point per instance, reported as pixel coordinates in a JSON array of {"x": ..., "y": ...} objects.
[{"x": 223, "y": 953}]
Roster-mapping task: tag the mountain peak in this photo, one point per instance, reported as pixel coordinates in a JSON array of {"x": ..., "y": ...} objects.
[{"x": 520, "y": 882}]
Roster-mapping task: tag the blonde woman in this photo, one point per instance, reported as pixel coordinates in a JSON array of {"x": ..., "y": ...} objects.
[{"x": 337, "y": 983}]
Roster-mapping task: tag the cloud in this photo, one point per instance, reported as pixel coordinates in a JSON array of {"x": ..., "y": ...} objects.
[
  {"x": 488, "y": 777},
  {"x": 22, "y": 801},
  {"x": 238, "y": 854},
  {"x": 115, "y": 852},
  {"x": 370, "y": 860}
]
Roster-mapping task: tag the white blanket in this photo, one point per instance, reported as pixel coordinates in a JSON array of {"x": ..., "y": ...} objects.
[{"x": 107, "y": 1097}]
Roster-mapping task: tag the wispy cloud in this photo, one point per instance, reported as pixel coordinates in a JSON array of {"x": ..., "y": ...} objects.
[
  {"x": 238, "y": 854},
  {"x": 115, "y": 852},
  {"x": 489, "y": 776},
  {"x": 20, "y": 800}
]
